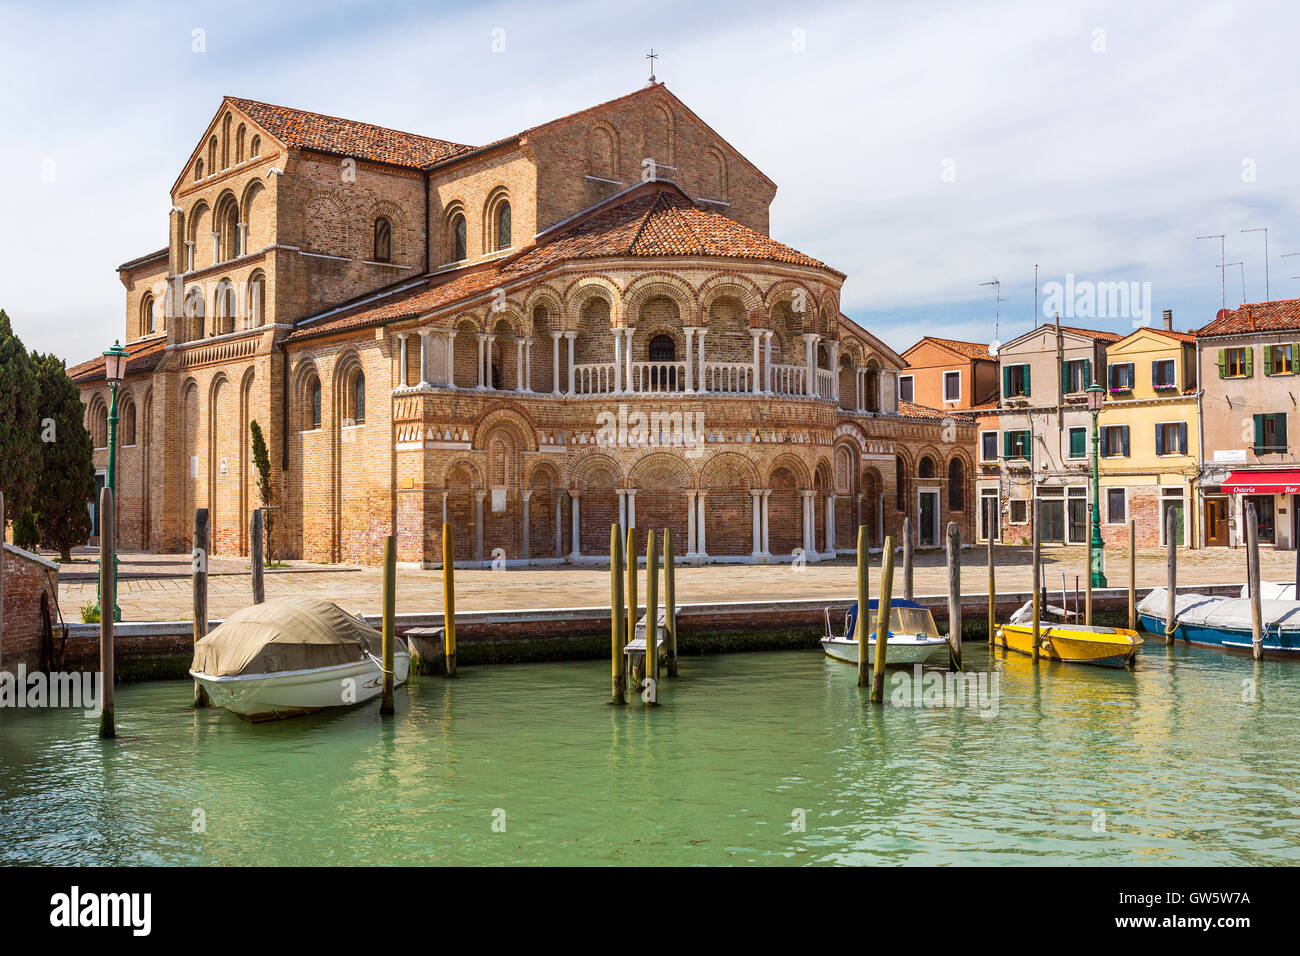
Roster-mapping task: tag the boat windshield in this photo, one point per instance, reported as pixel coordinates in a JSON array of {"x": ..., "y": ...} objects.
[{"x": 907, "y": 620}]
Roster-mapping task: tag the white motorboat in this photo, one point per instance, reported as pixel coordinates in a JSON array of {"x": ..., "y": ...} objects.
[
  {"x": 913, "y": 637},
  {"x": 293, "y": 656}
]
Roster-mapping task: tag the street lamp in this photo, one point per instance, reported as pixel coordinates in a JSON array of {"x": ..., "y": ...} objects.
[
  {"x": 115, "y": 372},
  {"x": 1095, "y": 396}
]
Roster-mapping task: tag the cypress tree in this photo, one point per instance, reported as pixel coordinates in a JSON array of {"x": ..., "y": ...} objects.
[
  {"x": 19, "y": 424},
  {"x": 66, "y": 485}
]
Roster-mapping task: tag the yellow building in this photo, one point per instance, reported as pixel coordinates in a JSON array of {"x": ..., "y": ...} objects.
[{"x": 1149, "y": 440}]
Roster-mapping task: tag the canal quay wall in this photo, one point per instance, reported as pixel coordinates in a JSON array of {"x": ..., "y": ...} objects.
[{"x": 163, "y": 650}]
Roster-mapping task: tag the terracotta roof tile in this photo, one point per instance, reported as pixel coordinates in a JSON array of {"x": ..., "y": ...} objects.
[
  {"x": 970, "y": 349},
  {"x": 913, "y": 410},
  {"x": 300, "y": 129},
  {"x": 1097, "y": 334},
  {"x": 1280, "y": 316},
  {"x": 142, "y": 356},
  {"x": 650, "y": 221}
]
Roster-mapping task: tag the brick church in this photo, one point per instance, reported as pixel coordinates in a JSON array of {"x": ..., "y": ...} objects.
[{"x": 581, "y": 324}]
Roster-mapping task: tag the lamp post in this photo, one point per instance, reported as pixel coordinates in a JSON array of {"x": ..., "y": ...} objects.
[
  {"x": 1096, "y": 394},
  {"x": 114, "y": 372}
]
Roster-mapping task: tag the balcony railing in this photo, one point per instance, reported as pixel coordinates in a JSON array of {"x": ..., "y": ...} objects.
[
  {"x": 595, "y": 378},
  {"x": 658, "y": 376},
  {"x": 789, "y": 379},
  {"x": 825, "y": 382},
  {"x": 729, "y": 376}
]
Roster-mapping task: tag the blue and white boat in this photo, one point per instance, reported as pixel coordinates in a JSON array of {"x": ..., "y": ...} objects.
[
  {"x": 1224, "y": 621},
  {"x": 913, "y": 637}
]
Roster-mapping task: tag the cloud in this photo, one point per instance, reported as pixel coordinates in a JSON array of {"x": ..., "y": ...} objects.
[{"x": 920, "y": 149}]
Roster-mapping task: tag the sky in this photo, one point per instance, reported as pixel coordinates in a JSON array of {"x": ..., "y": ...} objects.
[{"x": 921, "y": 148}]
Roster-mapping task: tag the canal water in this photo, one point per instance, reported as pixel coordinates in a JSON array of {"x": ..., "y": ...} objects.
[{"x": 769, "y": 758}]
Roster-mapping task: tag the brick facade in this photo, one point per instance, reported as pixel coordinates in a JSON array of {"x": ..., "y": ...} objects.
[
  {"x": 31, "y": 594},
  {"x": 799, "y": 425}
]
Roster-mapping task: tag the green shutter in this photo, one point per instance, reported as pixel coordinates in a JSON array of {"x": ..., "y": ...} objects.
[
  {"x": 1268, "y": 360},
  {"x": 1259, "y": 434},
  {"x": 1006, "y": 381},
  {"x": 1006, "y": 444},
  {"x": 1026, "y": 381},
  {"x": 1087, "y": 372},
  {"x": 1223, "y": 363},
  {"x": 1295, "y": 357},
  {"x": 1281, "y": 441},
  {"x": 1250, "y": 362},
  {"x": 1065, "y": 377},
  {"x": 1160, "y": 439}
]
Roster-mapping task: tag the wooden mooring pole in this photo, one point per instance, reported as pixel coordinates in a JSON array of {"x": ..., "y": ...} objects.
[
  {"x": 650, "y": 692},
  {"x": 1087, "y": 596},
  {"x": 386, "y": 708},
  {"x": 107, "y": 601},
  {"x": 617, "y": 618},
  {"x": 629, "y": 555},
  {"x": 862, "y": 621},
  {"x": 670, "y": 600},
  {"x": 255, "y": 555},
  {"x": 953, "y": 541},
  {"x": 199, "y": 590},
  {"x": 1171, "y": 575},
  {"x": 1252, "y": 576},
  {"x": 449, "y": 598},
  {"x": 907, "y": 559},
  {"x": 993, "y": 593},
  {"x": 1132, "y": 574},
  {"x": 1036, "y": 565},
  {"x": 883, "y": 606}
]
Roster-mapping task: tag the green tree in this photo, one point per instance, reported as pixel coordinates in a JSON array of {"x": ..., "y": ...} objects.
[
  {"x": 67, "y": 476},
  {"x": 27, "y": 534},
  {"x": 262, "y": 462},
  {"x": 19, "y": 435}
]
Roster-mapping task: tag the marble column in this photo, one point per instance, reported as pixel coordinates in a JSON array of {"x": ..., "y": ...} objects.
[
  {"x": 767, "y": 547},
  {"x": 401, "y": 359},
  {"x": 700, "y": 524},
  {"x": 482, "y": 340},
  {"x": 830, "y": 524},
  {"x": 478, "y": 524},
  {"x": 703, "y": 385},
  {"x": 810, "y": 363},
  {"x": 627, "y": 358},
  {"x": 618, "y": 360},
  {"x": 559, "y": 524},
  {"x": 528, "y": 364},
  {"x": 519, "y": 365},
  {"x": 834, "y": 358},
  {"x": 575, "y": 531},
  {"x": 622, "y": 509},
  {"x": 756, "y": 385},
  {"x": 631, "y": 507},
  {"x": 571, "y": 336},
  {"x": 555, "y": 362},
  {"x": 451, "y": 358},
  {"x": 767, "y": 364},
  {"x": 689, "y": 332},
  {"x": 756, "y": 496},
  {"x": 690, "y": 524}
]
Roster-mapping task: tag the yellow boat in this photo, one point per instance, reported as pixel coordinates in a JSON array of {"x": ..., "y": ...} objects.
[{"x": 1072, "y": 643}]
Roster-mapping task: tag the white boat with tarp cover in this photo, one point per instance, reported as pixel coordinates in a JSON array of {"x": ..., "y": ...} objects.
[
  {"x": 293, "y": 656},
  {"x": 1225, "y": 621}
]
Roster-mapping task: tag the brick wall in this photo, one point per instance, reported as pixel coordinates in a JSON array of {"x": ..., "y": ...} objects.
[{"x": 30, "y": 599}]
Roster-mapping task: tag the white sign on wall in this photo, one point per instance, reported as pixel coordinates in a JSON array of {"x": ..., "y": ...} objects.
[
  {"x": 1230, "y": 456},
  {"x": 498, "y": 499},
  {"x": 194, "y": 466}
]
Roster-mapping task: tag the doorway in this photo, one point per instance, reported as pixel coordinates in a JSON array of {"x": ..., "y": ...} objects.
[
  {"x": 1216, "y": 522},
  {"x": 1051, "y": 520},
  {"x": 1264, "y": 516},
  {"x": 927, "y": 531}
]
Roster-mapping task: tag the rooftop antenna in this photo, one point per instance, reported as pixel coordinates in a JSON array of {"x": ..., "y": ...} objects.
[
  {"x": 1223, "y": 287},
  {"x": 1264, "y": 230},
  {"x": 652, "y": 56},
  {"x": 1229, "y": 265},
  {"x": 1288, "y": 255},
  {"x": 997, "y": 313}
]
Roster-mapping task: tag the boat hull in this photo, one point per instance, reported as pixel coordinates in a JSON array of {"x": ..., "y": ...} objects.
[
  {"x": 1072, "y": 646},
  {"x": 260, "y": 697},
  {"x": 1227, "y": 637},
  {"x": 900, "y": 651}
]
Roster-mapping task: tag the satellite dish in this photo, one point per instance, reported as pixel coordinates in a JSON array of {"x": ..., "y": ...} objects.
[{"x": 994, "y": 347}]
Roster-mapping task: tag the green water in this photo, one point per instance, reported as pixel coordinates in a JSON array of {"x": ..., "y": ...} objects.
[{"x": 1182, "y": 768}]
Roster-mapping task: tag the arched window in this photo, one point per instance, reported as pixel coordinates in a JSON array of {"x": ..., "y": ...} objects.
[
  {"x": 128, "y": 423},
  {"x": 460, "y": 244},
  {"x": 198, "y": 170},
  {"x": 193, "y": 325},
  {"x": 256, "y": 297},
  {"x": 926, "y": 468},
  {"x": 383, "y": 240},
  {"x": 147, "y": 318},
  {"x": 354, "y": 399},
  {"x": 956, "y": 485},
  {"x": 227, "y": 308},
  {"x": 663, "y": 350},
  {"x": 212, "y": 154},
  {"x": 227, "y": 225},
  {"x": 99, "y": 425},
  {"x": 900, "y": 485},
  {"x": 503, "y": 225},
  {"x": 239, "y": 144},
  {"x": 313, "y": 399},
  {"x": 225, "y": 142},
  {"x": 255, "y": 147}
]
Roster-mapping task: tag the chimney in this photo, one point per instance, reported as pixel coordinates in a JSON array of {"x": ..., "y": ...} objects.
[{"x": 1169, "y": 320}]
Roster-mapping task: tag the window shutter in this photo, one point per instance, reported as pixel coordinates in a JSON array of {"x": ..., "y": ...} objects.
[
  {"x": 1268, "y": 360},
  {"x": 1026, "y": 380},
  {"x": 1182, "y": 438},
  {"x": 1065, "y": 377},
  {"x": 1155, "y": 373},
  {"x": 1160, "y": 439},
  {"x": 1125, "y": 437},
  {"x": 1087, "y": 372},
  {"x": 1250, "y": 362},
  {"x": 1223, "y": 363},
  {"x": 1006, "y": 381},
  {"x": 1295, "y": 357},
  {"x": 1006, "y": 444},
  {"x": 1280, "y": 428},
  {"x": 1259, "y": 434},
  {"x": 1105, "y": 441}
]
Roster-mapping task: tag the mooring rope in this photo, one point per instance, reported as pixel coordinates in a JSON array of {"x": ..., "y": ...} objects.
[{"x": 378, "y": 662}]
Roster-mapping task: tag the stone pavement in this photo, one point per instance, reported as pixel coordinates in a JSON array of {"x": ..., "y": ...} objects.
[{"x": 157, "y": 587}]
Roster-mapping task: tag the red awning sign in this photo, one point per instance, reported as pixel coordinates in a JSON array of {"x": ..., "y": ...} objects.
[{"x": 1280, "y": 482}]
